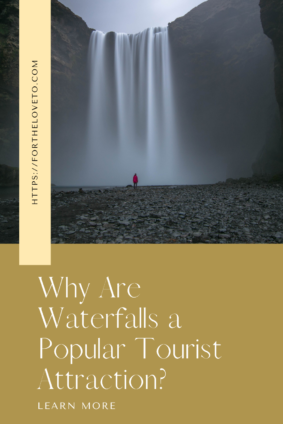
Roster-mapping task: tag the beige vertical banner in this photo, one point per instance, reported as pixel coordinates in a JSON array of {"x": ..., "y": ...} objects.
[{"x": 35, "y": 132}]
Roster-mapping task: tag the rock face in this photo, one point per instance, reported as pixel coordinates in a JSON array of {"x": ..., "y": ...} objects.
[
  {"x": 223, "y": 64},
  {"x": 70, "y": 38},
  {"x": 9, "y": 176},
  {"x": 270, "y": 160},
  {"x": 272, "y": 19},
  {"x": 9, "y": 81}
]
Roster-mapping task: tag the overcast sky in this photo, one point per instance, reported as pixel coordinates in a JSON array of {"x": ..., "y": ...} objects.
[{"x": 130, "y": 16}]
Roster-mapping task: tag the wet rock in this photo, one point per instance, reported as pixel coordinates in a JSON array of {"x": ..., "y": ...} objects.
[
  {"x": 224, "y": 236},
  {"x": 213, "y": 214},
  {"x": 63, "y": 227}
]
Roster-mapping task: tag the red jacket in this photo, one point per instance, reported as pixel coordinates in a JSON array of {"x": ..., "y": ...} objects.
[{"x": 135, "y": 179}]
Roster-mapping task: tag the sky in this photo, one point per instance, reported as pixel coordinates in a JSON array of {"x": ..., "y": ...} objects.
[{"x": 129, "y": 16}]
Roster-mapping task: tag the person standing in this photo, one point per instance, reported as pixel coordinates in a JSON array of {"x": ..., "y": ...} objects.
[{"x": 135, "y": 180}]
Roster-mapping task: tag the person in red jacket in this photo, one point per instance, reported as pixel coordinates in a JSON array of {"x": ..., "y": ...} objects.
[{"x": 135, "y": 180}]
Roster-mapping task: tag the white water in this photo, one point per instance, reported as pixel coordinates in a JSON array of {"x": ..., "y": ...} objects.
[{"x": 131, "y": 113}]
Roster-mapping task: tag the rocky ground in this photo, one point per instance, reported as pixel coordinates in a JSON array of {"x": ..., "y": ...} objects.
[{"x": 220, "y": 213}]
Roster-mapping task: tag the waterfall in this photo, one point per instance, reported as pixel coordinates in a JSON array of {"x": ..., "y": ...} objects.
[{"x": 131, "y": 123}]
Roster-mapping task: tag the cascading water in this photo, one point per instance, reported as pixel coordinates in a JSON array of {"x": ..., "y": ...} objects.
[{"x": 131, "y": 114}]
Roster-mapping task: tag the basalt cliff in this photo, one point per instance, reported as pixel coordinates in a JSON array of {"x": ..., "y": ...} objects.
[
  {"x": 270, "y": 160},
  {"x": 223, "y": 63},
  {"x": 9, "y": 82},
  {"x": 70, "y": 38}
]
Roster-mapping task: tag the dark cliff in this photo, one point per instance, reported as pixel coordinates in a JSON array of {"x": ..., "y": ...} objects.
[
  {"x": 223, "y": 64},
  {"x": 69, "y": 48},
  {"x": 9, "y": 81},
  {"x": 70, "y": 39},
  {"x": 9, "y": 176},
  {"x": 270, "y": 160}
]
